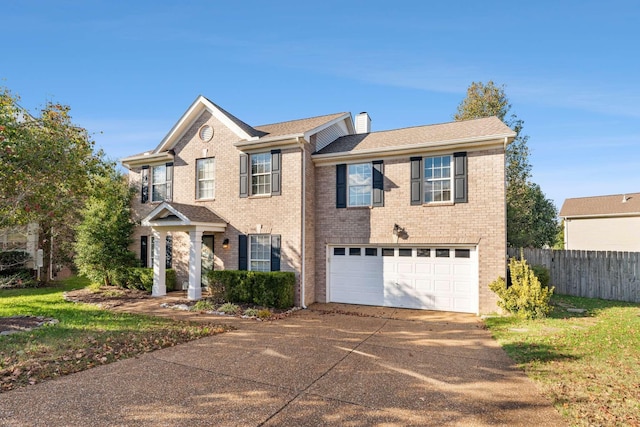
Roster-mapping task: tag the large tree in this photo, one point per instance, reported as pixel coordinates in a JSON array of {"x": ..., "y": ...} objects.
[
  {"x": 531, "y": 217},
  {"x": 104, "y": 235},
  {"x": 46, "y": 162}
]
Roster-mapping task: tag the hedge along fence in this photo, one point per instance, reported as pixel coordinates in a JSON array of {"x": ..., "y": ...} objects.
[
  {"x": 267, "y": 289},
  {"x": 142, "y": 278}
]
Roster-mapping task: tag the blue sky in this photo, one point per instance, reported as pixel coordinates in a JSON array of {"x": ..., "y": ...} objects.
[{"x": 130, "y": 69}]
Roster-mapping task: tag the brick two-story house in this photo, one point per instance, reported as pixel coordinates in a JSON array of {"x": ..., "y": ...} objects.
[{"x": 410, "y": 217}]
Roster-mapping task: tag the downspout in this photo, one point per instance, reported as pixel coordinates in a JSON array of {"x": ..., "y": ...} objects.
[{"x": 304, "y": 204}]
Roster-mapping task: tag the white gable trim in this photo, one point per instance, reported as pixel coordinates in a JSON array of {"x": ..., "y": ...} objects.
[{"x": 193, "y": 112}]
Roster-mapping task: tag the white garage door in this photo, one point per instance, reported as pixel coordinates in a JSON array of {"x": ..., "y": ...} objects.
[{"x": 433, "y": 278}]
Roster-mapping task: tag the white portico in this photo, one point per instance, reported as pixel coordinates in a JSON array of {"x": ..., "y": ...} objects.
[{"x": 177, "y": 217}]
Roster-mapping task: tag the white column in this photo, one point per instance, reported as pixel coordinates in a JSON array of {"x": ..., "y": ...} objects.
[
  {"x": 159, "y": 263},
  {"x": 195, "y": 265}
]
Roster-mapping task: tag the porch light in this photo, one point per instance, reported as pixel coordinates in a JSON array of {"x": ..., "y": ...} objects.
[{"x": 225, "y": 244}]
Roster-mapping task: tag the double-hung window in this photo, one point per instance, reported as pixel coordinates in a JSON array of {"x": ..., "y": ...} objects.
[
  {"x": 205, "y": 179},
  {"x": 260, "y": 252},
  {"x": 261, "y": 173},
  {"x": 161, "y": 183},
  {"x": 359, "y": 181},
  {"x": 437, "y": 179}
]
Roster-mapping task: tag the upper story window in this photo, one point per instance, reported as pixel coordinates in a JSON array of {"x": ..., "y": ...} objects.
[
  {"x": 161, "y": 177},
  {"x": 261, "y": 173},
  {"x": 160, "y": 180},
  {"x": 437, "y": 179},
  {"x": 205, "y": 178},
  {"x": 359, "y": 180},
  {"x": 360, "y": 184}
]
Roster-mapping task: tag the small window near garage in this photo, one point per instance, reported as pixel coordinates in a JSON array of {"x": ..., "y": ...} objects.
[
  {"x": 404, "y": 252},
  {"x": 423, "y": 253},
  {"x": 339, "y": 251},
  {"x": 442, "y": 253},
  {"x": 388, "y": 252},
  {"x": 355, "y": 251},
  {"x": 463, "y": 253},
  {"x": 371, "y": 251}
]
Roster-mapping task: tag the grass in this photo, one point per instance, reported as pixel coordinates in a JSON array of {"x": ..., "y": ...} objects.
[
  {"x": 86, "y": 336},
  {"x": 588, "y": 362}
]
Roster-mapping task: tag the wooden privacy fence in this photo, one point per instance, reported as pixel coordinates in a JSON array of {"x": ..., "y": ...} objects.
[{"x": 591, "y": 274}]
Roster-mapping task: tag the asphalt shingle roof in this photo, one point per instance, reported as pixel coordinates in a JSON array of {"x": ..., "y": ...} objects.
[
  {"x": 478, "y": 128},
  {"x": 296, "y": 126},
  {"x": 197, "y": 213},
  {"x": 602, "y": 205}
]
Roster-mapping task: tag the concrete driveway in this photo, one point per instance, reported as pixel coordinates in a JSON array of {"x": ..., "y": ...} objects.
[{"x": 328, "y": 365}]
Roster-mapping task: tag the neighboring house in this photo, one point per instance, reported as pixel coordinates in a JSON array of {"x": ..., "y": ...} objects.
[
  {"x": 411, "y": 217},
  {"x": 21, "y": 238},
  {"x": 602, "y": 223}
]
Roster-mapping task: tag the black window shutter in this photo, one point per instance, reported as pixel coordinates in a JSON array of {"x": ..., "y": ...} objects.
[
  {"x": 460, "y": 177},
  {"x": 341, "y": 186},
  {"x": 242, "y": 252},
  {"x": 275, "y": 252},
  {"x": 276, "y": 172},
  {"x": 244, "y": 175},
  {"x": 144, "y": 251},
  {"x": 378, "y": 183},
  {"x": 416, "y": 180},
  {"x": 144, "y": 178}
]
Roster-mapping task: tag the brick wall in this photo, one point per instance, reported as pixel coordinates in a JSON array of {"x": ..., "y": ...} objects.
[
  {"x": 481, "y": 221},
  {"x": 275, "y": 214}
]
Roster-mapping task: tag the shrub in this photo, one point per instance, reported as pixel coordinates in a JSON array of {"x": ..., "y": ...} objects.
[
  {"x": 142, "y": 278},
  {"x": 13, "y": 261},
  {"x": 229, "y": 308},
  {"x": 526, "y": 297},
  {"x": 203, "y": 305},
  {"x": 17, "y": 278},
  {"x": 251, "y": 312},
  {"x": 542, "y": 273},
  {"x": 264, "y": 314},
  {"x": 269, "y": 289}
]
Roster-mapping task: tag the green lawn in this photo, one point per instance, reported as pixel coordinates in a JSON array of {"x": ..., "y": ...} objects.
[
  {"x": 85, "y": 336},
  {"x": 587, "y": 363}
]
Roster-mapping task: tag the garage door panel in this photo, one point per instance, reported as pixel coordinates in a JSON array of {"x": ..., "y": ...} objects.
[{"x": 421, "y": 280}]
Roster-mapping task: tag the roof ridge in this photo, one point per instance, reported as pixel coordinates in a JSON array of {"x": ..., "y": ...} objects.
[
  {"x": 603, "y": 195},
  {"x": 304, "y": 118},
  {"x": 434, "y": 124}
]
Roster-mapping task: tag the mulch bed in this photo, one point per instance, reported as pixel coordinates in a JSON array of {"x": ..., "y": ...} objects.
[{"x": 14, "y": 324}]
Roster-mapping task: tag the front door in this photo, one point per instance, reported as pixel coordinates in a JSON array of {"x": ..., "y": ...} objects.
[{"x": 206, "y": 258}]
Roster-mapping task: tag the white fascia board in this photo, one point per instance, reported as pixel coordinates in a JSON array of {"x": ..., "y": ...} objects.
[
  {"x": 146, "y": 159},
  {"x": 404, "y": 150},
  {"x": 307, "y": 134},
  {"x": 595, "y": 216},
  {"x": 193, "y": 112},
  {"x": 261, "y": 143}
]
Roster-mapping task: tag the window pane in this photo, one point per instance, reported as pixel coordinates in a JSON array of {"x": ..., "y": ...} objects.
[
  {"x": 205, "y": 178},
  {"x": 371, "y": 251},
  {"x": 359, "y": 180},
  {"x": 437, "y": 179},
  {"x": 261, "y": 173},
  {"x": 260, "y": 252},
  {"x": 404, "y": 252},
  {"x": 338, "y": 251},
  {"x": 442, "y": 253},
  {"x": 388, "y": 252},
  {"x": 355, "y": 251},
  {"x": 424, "y": 253},
  {"x": 158, "y": 183},
  {"x": 463, "y": 253}
]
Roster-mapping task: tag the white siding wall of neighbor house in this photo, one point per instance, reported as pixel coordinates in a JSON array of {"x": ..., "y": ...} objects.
[{"x": 603, "y": 234}]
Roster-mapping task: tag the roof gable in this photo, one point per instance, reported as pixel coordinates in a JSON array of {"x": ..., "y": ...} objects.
[
  {"x": 237, "y": 126},
  {"x": 611, "y": 205},
  {"x": 182, "y": 215}
]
